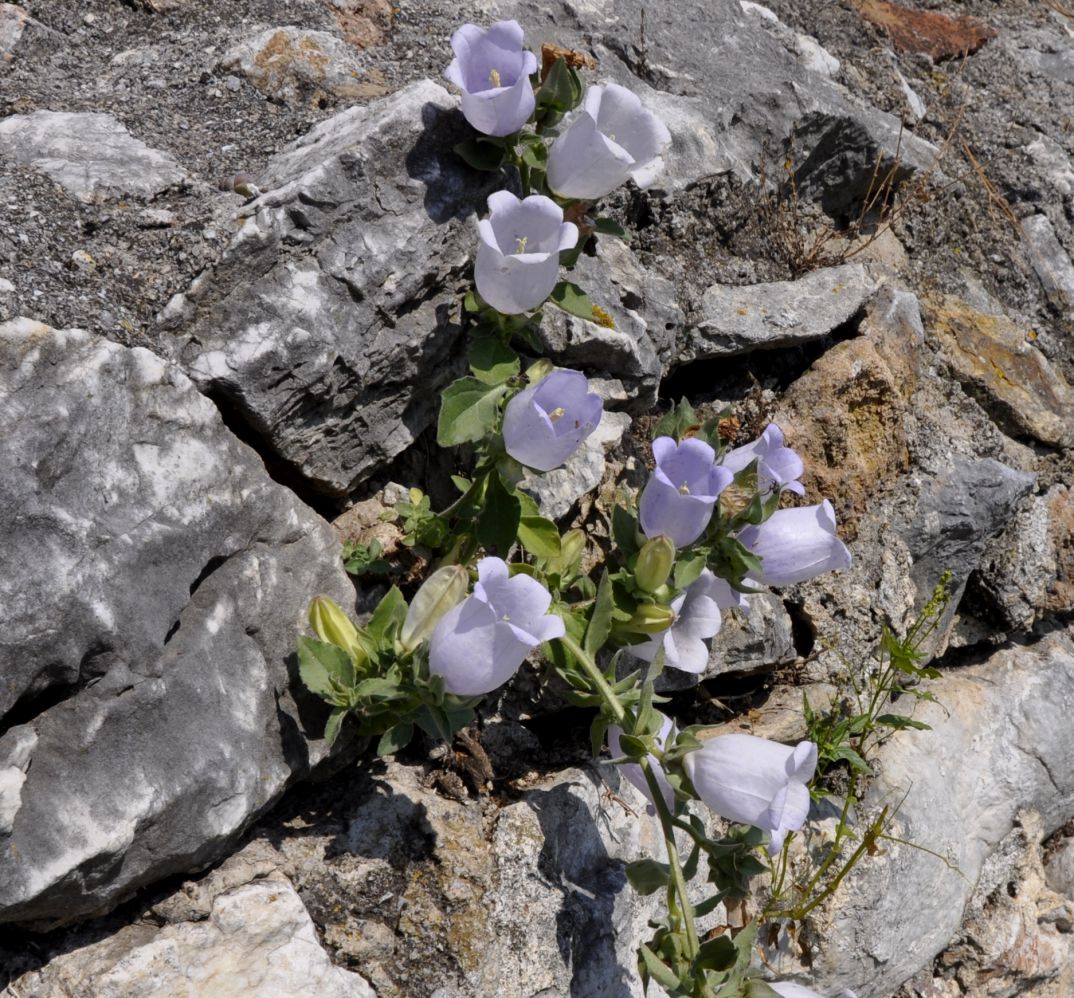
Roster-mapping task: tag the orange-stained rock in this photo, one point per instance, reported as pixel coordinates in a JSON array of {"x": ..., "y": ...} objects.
[
  {"x": 935, "y": 35},
  {"x": 996, "y": 363},
  {"x": 845, "y": 415}
]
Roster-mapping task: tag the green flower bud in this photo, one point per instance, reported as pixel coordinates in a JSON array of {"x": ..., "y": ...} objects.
[
  {"x": 445, "y": 588},
  {"x": 649, "y": 618},
  {"x": 654, "y": 563},
  {"x": 331, "y": 624}
]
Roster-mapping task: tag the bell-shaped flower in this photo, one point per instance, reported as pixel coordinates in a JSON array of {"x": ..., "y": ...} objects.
[
  {"x": 796, "y": 544},
  {"x": 698, "y": 616},
  {"x": 493, "y": 73},
  {"x": 613, "y": 139},
  {"x": 778, "y": 467},
  {"x": 678, "y": 500},
  {"x": 518, "y": 255},
  {"x": 632, "y": 772},
  {"x": 480, "y": 643},
  {"x": 755, "y": 781},
  {"x": 545, "y": 424}
]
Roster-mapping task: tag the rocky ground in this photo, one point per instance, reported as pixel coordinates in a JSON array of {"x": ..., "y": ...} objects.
[{"x": 236, "y": 235}]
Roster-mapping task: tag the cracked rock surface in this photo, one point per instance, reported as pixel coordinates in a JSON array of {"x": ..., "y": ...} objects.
[{"x": 153, "y": 578}]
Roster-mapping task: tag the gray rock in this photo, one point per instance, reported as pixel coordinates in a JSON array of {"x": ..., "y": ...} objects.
[
  {"x": 328, "y": 325},
  {"x": 1059, "y": 868},
  {"x": 92, "y": 156},
  {"x": 739, "y": 320},
  {"x": 958, "y": 513},
  {"x": 289, "y": 63},
  {"x": 256, "y": 941},
  {"x": 1052, "y": 160},
  {"x": 736, "y": 82},
  {"x": 153, "y": 580},
  {"x": 20, "y": 34},
  {"x": 1000, "y": 743},
  {"x": 1050, "y": 260},
  {"x": 1020, "y": 566}
]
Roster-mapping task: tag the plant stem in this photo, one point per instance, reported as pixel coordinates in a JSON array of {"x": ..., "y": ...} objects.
[
  {"x": 678, "y": 880},
  {"x": 471, "y": 493},
  {"x": 596, "y": 677}
]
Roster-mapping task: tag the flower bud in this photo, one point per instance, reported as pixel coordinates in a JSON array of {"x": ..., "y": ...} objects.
[
  {"x": 650, "y": 618},
  {"x": 654, "y": 563},
  {"x": 331, "y": 624},
  {"x": 445, "y": 588}
]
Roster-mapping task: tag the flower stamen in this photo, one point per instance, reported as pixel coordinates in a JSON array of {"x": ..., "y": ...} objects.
[
  {"x": 520, "y": 244},
  {"x": 684, "y": 489},
  {"x": 494, "y": 77},
  {"x": 558, "y": 413}
]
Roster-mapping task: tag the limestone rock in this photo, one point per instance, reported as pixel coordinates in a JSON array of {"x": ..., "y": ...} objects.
[
  {"x": 20, "y": 33},
  {"x": 997, "y": 364},
  {"x": 1050, "y": 260},
  {"x": 290, "y": 63},
  {"x": 328, "y": 325},
  {"x": 1000, "y": 744},
  {"x": 738, "y": 320},
  {"x": 257, "y": 941},
  {"x": 92, "y": 156},
  {"x": 153, "y": 582}
]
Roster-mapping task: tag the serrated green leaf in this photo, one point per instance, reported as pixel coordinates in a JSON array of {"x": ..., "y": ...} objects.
[
  {"x": 647, "y": 876},
  {"x": 676, "y": 422},
  {"x": 558, "y": 90},
  {"x": 395, "y": 739},
  {"x": 493, "y": 361},
  {"x": 468, "y": 411},
  {"x": 497, "y": 524},
  {"x": 610, "y": 227},
  {"x": 900, "y": 721},
  {"x": 333, "y": 726},
  {"x": 688, "y": 570},
  {"x": 573, "y": 299},
  {"x": 625, "y": 531},
  {"x": 319, "y": 663},
  {"x": 539, "y": 536},
  {"x": 600, "y": 622}
]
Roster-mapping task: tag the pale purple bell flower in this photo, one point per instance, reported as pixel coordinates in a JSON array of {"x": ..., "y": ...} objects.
[
  {"x": 796, "y": 544},
  {"x": 612, "y": 140},
  {"x": 755, "y": 781},
  {"x": 518, "y": 256},
  {"x": 493, "y": 73},
  {"x": 698, "y": 616},
  {"x": 480, "y": 643},
  {"x": 545, "y": 424},
  {"x": 632, "y": 771},
  {"x": 778, "y": 466},
  {"x": 679, "y": 498}
]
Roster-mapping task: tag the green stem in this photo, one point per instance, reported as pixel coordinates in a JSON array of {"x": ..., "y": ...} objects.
[
  {"x": 595, "y": 676},
  {"x": 678, "y": 880},
  {"x": 476, "y": 486}
]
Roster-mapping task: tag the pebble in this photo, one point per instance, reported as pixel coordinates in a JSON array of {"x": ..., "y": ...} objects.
[{"x": 233, "y": 83}]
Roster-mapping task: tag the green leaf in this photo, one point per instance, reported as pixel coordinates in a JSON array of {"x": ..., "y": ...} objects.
[
  {"x": 900, "y": 721},
  {"x": 468, "y": 411},
  {"x": 676, "y": 422},
  {"x": 539, "y": 536},
  {"x": 600, "y": 623},
  {"x": 395, "y": 739},
  {"x": 658, "y": 970},
  {"x": 480, "y": 154},
  {"x": 573, "y": 299},
  {"x": 335, "y": 723},
  {"x": 610, "y": 227},
  {"x": 319, "y": 663},
  {"x": 558, "y": 90},
  {"x": 847, "y": 754},
  {"x": 493, "y": 361},
  {"x": 497, "y": 525},
  {"x": 688, "y": 570},
  {"x": 625, "y": 531},
  {"x": 390, "y": 611},
  {"x": 647, "y": 876},
  {"x": 717, "y": 954}
]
